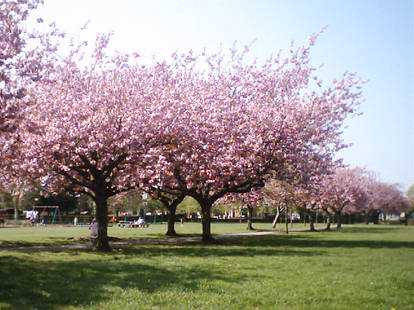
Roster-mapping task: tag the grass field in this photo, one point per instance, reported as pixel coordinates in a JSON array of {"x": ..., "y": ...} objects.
[
  {"x": 59, "y": 234},
  {"x": 359, "y": 267}
]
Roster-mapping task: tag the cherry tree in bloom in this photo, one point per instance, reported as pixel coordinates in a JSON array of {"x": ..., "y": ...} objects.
[
  {"x": 24, "y": 57},
  {"x": 170, "y": 202},
  {"x": 385, "y": 198},
  {"x": 90, "y": 127},
  {"x": 236, "y": 122},
  {"x": 344, "y": 191},
  {"x": 278, "y": 193},
  {"x": 251, "y": 200}
]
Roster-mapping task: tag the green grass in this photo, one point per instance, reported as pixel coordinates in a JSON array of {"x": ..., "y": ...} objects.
[
  {"x": 360, "y": 267},
  {"x": 58, "y": 234}
]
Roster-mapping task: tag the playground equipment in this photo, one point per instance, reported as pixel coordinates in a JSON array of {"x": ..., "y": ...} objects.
[{"x": 56, "y": 212}]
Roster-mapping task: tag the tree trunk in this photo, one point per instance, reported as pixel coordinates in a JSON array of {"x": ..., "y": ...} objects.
[
  {"x": 16, "y": 214},
  {"x": 206, "y": 221},
  {"x": 250, "y": 218},
  {"x": 172, "y": 209},
  {"x": 16, "y": 205},
  {"x": 328, "y": 222},
  {"x": 375, "y": 217},
  {"x": 338, "y": 221},
  {"x": 171, "y": 220},
  {"x": 276, "y": 217},
  {"x": 287, "y": 220},
  {"x": 311, "y": 222},
  {"x": 102, "y": 219}
]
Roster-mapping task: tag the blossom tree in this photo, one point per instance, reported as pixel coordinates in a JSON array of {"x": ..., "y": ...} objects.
[
  {"x": 170, "y": 202},
  {"x": 385, "y": 198},
  {"x": 274, "y": 192},
  {"x": 250, "y": 200},
  {"x": 343, "y": 192},
  {"x": 24, "y": 57},
  {"x": 236, "y": 123},
  {"x": 90, "y": 127}
]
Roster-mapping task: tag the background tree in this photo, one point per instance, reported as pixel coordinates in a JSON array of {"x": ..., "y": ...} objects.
[
  {"x": 188, "y": 206},
  {"x": 250, "y": 201},
  {"x": 343, "y": 192},
  {"x": 127, "y": 202},
  {"x": 385, "y": 198},
  {"x": 236, "y": 123},
  {"x": 170, "y": 203}
]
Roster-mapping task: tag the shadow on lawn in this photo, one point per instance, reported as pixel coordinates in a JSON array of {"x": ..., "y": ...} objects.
[
  {"x": 227, "y": 249},
  {"x": 28, "y": 284},
  {"x": 369, "y": 229},
  {"x": 310, "y": 241},
  {"x": 269, "y": 245}
]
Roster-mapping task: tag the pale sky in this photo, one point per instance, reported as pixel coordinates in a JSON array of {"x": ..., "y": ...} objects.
[{"x": 374, "y": 38}]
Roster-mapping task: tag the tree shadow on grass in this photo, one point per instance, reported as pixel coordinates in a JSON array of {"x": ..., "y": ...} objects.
[
  {"x": 268, "y": 245},
  {"x": 310, "y": 241},
  {"x": 233, "y": 250},
  {"x": 28, "y": 283},
  {"x": 369, "y": 229}
]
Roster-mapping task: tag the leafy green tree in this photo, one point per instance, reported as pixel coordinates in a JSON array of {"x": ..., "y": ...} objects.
[
  {"x": 188, "y": 206},
  {"x": 131, "y": 202}
]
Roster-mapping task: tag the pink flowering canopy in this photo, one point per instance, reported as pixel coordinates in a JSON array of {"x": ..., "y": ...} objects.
[
  {"x": 88, "y": 123},
  {"x": 24, "y": 57},
  {"x": 199, "y": 125},
  {"x": 90, "y": 127},
  {"x": 344, "y": 191},
  {"x": 355, "y": 190},
  {"x": 385, "y": 198},
  {"x": 234, "y": 123}
]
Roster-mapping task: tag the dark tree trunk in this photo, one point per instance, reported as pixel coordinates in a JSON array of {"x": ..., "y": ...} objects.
[
  {"x": 338, "y": 221},
  {"x": 102, "y": 219},
  {"x": 250, "y": 218},
  {"x": 171, "y": 220},
  {"x": 311, "y": 222},
  {"x": 206, "y": 221},
  {"x": 375, "y": 217},
  {"x": 172, "y": 209}
]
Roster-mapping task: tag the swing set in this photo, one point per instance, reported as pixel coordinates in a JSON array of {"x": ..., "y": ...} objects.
[{"x": 56, "y": 212}]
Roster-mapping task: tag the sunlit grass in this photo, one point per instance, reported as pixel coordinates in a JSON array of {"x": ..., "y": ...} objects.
[
  {"x": 27, "y": 235},
  {"x": 360, "y": 267}
]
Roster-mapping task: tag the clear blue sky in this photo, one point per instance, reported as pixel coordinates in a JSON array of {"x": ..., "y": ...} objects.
[{"x": 374, "y": 38}]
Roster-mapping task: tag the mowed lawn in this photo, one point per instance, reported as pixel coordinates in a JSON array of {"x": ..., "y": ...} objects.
[
  {"x": 359, "y": 267},
  {"x": 60, "y": 234}
]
